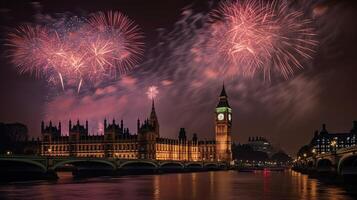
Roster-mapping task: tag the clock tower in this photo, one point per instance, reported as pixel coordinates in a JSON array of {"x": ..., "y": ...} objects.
[{"x": 223, "y": 127}]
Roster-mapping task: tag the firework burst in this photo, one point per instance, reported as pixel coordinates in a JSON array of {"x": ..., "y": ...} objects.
[
  {"x": 115, "y": 41},
  {"x": 28, "y": 44},
  {"x": 76, "y": 50},
  {"x": 256, "y": 36},
  {"x": 152, "y": 92}
]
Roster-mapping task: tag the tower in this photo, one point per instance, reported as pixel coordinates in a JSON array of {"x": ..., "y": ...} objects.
[
  {"x": 223, "y": 128},
  {"x": 153, "y": 119},
  {"x": 148, "y": 133}
]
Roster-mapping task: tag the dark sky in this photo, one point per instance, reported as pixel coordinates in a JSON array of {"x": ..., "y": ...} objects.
[{"x": 285, "y": 111}]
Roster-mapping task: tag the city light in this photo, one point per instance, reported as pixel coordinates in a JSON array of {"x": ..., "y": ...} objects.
[{"x": 333, "y": 143}]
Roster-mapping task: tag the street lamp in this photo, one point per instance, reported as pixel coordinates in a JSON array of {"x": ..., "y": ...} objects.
[{"x": 8, "y": 153}]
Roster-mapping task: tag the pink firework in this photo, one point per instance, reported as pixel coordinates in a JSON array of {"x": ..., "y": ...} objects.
[
  {"x": 256, "y": 36},
  {"x": 28, "y": 44},
  {"x": 104, "y": 45},
  {"x": 116, "y": 41},
  {"x": 152, "y": 92}
]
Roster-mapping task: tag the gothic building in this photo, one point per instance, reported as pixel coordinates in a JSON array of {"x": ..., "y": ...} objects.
[{"x": 118, "y": 142}]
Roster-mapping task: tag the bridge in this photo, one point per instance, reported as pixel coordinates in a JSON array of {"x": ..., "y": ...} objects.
[
  {"x": 47, "y": 166},
  {"x": 342, "y": 162}
]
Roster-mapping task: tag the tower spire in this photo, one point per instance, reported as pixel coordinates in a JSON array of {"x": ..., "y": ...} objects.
[
  {"x": 223, "y": 98},
  {"x": 153, "y": 118},
  {"x": 153, "y": 112},
  {"x": 223, "y": 92}
]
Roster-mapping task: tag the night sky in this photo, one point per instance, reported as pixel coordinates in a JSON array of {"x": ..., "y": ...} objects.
[{"x": 286, "y": 112}]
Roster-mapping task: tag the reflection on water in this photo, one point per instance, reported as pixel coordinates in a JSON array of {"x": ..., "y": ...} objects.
[{"x": 205, "y": 185}]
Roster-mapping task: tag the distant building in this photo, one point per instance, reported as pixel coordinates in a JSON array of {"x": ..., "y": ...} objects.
[
  {"x": 261, "y": 144},
  {"x": 325, "y": 142},
  {"x": 119, "y": 142}
]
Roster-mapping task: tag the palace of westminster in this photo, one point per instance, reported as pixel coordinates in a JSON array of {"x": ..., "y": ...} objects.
[{"x": 118, "y": 142}]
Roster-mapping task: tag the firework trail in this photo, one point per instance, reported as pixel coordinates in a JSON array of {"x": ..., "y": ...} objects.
[{"x": 77, "y": 50}]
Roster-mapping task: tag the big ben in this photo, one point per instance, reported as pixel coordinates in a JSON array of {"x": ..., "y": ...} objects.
[{"x": 223, "y": 127}]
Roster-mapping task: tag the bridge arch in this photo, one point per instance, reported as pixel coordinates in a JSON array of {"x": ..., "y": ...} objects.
[
  {"x": 325, "y": 165},
  {"x": 348, "y": 162},
  {"x": 74, "y": 161},
  {"x": 138, "y": 163},
  {"x": 172, "y": 164},
  {"x": 211, "y": 165},
  {"x": 324, "y": 162},
  {"x": 223, "y": 165},
  {"x": 194, "y": 165},
  {"x": 25, "y": 161}
]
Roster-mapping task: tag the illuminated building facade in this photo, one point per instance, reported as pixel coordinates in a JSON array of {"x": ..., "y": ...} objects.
[
  {"x": 118, "y": 142},
  {"x": 326, "y": 142}
]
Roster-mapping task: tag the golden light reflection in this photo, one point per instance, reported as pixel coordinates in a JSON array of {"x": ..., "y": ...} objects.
[
  {"x": 157, "y": 187},
  {"x": 211, "y": 182},
  {"x": 194, "y": 185},
  {"x": 179, "y": 185},
  {"x": 312, "y": 189}
]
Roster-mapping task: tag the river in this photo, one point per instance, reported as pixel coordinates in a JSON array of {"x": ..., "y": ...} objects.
[{"x": 223, "y": 185}]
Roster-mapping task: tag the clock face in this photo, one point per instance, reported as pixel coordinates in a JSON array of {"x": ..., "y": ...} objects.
[
  {"x": 220, "y": 116},
  {"x": 229, "y": 117}
]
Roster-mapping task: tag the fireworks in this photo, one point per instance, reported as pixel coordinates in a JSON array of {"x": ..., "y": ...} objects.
[
  {"x": 104, "y": 45},
  {"x": 152, "y": 92},
  {"x": 29, "y": 44},
  {"x": 255, "y": 36}
]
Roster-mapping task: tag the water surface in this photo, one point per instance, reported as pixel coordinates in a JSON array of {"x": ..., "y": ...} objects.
[{"x": 203, "y": 185}]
